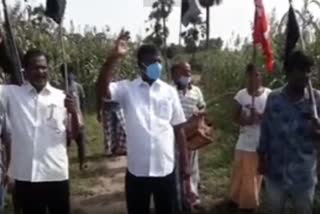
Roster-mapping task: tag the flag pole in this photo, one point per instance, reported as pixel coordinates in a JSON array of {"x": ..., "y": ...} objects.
[
  {"x": 66, "y": 73},
  {"x": 63, "y": 57},
  {"x": 180, "y": 33},
  {"x": 254, "y": 54},
  {"x": 310, "y": 85},
  {"x": 180, "y": 30},
  {"x": 254, "y": 58},
  {"x": 208, "y": 26},
  {"x": 165, "y": 39}
]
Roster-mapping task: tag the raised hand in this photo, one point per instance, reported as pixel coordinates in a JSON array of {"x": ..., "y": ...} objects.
[{"x": 121, "y": 47}]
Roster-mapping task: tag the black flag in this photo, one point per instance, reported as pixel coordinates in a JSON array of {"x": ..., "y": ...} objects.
[
  {"x": 55, "y": 9},
  {"x": 293, "y": 34},
  {"x": 10, "y": 54},
  {"x": 184, "y": 7},
  {"x": 190, "y": 12}
]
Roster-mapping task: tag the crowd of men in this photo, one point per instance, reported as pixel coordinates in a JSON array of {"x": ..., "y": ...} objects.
[{"x": 145, "y": 119}]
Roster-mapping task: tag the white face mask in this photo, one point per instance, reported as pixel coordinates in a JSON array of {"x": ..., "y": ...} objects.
[{"x": 184, "y": 80}]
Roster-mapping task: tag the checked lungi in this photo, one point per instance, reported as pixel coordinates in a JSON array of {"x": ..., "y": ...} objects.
[{"x": 114, "y": 127}]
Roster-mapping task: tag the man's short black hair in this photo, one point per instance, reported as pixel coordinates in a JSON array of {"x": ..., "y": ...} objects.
[
  {"x": 31, "y": 54},
  {"x": 69, "y": 67},
  {"x": 251, "y": 68},
  {"x": 299, "y": 61},
  {"x": 148, "y": 49}
]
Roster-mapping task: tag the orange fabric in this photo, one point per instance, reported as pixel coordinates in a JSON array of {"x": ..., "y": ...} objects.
[{"x": 245, "y": 180}]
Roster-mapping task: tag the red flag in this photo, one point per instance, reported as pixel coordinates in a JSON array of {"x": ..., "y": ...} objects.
[{"x": 261, "y": 34}]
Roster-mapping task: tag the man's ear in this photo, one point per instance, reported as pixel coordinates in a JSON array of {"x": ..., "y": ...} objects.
[{"x": 140, "y": 65}]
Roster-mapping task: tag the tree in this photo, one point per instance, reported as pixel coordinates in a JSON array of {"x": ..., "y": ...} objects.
[
  {"x": 192, "y": 37},
  {"x": 207, "y": 4},
  {"x": 159, "y": 32}
]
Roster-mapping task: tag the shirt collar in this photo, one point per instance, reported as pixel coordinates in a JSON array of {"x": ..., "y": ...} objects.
[
  {"x": 305, "y": 96},
  {"x": 47, "y": 89},
  {"x": 139, "y": 81}
]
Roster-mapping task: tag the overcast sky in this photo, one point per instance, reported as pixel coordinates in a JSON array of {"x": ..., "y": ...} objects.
[{"x": 232, "y": 17}]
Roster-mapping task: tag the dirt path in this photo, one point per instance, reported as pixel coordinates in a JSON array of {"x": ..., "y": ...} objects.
[{"x": 108, "y": 191}]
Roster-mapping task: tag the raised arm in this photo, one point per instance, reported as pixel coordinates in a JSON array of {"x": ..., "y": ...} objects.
[{"x": 118, "y": 52}]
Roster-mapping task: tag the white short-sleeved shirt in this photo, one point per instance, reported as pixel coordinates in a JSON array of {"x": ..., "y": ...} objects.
[
  {"x": 150, "y": 114},
  {"x": 38, "y": 134},
  {"x": 249, "y": 135}
]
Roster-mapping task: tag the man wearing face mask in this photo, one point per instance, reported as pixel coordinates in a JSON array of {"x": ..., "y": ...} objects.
[
  {"x": 192, "y": 102},
  {"x": 154, "y": 119}
]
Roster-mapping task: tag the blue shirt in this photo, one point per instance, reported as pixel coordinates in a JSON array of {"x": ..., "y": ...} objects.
[{"x": 287, "y": 143}]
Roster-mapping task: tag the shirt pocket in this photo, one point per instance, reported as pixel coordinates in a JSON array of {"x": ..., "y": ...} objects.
[
  {"x": 55, "y": 118},
  {"x": 164, "y": 110}
]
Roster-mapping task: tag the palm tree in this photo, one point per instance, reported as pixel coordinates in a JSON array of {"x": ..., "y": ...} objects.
[{"x": 207, "y": 4}]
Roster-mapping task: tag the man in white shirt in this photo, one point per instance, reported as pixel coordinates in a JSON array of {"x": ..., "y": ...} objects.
[
  {"x": 38, "y": 116},
  {"x": 154, "y": 119}
]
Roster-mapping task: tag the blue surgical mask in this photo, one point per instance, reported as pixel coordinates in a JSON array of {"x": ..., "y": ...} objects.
[
  {"x": 154, "y": 71},
  {"x": 184, "y": 81}
]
